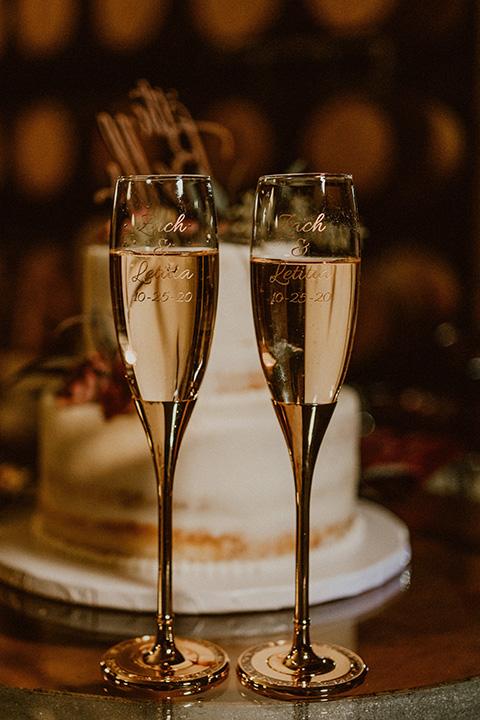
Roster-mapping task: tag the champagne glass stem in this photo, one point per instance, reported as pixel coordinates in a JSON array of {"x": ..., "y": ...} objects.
[
  {"x": 304, "y": 427},
  {"x": 167, "y": 420}
]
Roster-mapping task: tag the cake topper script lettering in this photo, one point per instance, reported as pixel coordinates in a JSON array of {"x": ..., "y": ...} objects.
[{"x": 157, "y": 116}]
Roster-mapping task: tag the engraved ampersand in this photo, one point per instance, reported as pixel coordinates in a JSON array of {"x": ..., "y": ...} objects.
[
  {"x": 290, "y": 226},
  {"x": 163, "y": 246},
  {"x": 301, "y": 247}
]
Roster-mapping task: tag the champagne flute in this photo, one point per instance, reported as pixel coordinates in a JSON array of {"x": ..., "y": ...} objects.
[
  {"x": 305, "y": 267},
  {"x": 164, "y": 282}
]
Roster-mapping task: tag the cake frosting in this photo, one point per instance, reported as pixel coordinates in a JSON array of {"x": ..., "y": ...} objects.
[{"x": 234, "y": 495}]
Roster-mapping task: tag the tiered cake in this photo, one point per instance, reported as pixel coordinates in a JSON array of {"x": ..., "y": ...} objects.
[{"x": 233, "y": 492}]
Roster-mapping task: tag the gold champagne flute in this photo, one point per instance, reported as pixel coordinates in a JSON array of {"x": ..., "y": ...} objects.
[
  {"x": 164, "y": 282},
  {"x": 305, "y": 269}
]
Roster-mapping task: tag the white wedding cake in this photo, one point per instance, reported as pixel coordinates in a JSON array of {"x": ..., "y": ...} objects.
[{"x": 233, "y": 493}]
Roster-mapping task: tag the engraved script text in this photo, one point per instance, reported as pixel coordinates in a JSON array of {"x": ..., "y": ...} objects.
[{"x": 286, "y": 272}]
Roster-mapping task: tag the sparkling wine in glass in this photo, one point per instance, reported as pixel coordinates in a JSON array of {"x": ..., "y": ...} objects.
[
  {"x": 305, "y": 269},
  {"x": 164, "y": 283}
]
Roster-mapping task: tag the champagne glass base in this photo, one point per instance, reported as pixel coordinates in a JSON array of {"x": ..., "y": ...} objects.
[
  {"x": 261, "y": 669},
  {"x": 205, "y": 666}
]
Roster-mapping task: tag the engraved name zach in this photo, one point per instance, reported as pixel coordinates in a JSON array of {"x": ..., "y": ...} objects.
[
  {"x": 148, "y": 228},
  {"x": 289, "y": 225},
  {"x": 145, "y": 274}
]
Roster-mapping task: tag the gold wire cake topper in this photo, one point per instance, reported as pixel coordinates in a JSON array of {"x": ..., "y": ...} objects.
[{"x": 157, "y": 116}]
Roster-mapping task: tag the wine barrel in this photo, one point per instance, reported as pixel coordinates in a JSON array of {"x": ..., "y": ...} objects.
[
  {"x": 351, "y": 18},
  {"x": 45, "y": 27},
  {"x": 424, "y": 20},
  {"x": 447, "y": 140},
  {"x": 407, "y": 292},
  {"x": 45, "y": 149},
  {"x": 239, "y": 165},
  {"x": 405, "y": 144},
  {"x": 127, "y": 25},
  {"x": 351, "y": 134},
  {"x": 233, "y": 24}
]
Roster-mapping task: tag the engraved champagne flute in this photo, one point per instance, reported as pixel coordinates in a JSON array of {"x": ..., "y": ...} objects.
[
  {"x": 164, "y": 283},
  {"x": 305, "y": 268}
]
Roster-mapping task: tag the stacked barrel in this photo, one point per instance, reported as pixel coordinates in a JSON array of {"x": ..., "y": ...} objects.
[{"x": 384, "y": 89}]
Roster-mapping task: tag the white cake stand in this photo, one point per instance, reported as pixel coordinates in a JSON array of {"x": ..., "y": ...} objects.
[{"x": 376, "y": 550}]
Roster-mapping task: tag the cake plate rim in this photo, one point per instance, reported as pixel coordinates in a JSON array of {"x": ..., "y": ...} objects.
[{"x": 377, "y": 551}]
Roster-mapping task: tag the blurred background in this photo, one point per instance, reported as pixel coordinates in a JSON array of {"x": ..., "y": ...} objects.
[
  {"x": 387, "y": 90},
  {"x": 383, "y": 89}
]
